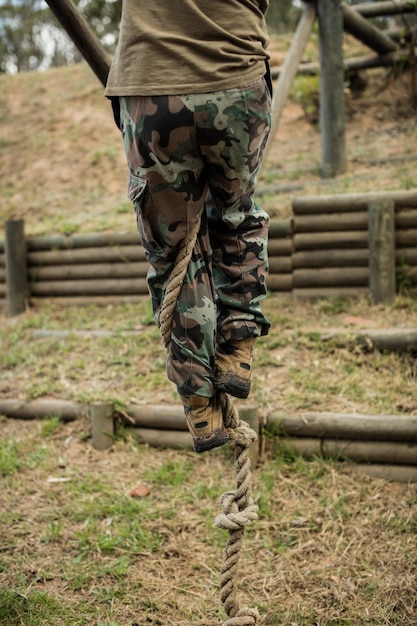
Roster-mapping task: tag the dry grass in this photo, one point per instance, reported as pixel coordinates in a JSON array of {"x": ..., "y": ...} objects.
[{"x": 331, "y": 547}]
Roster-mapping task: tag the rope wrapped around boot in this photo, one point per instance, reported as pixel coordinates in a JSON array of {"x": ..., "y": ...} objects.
[{"x": 238, "y": 508}]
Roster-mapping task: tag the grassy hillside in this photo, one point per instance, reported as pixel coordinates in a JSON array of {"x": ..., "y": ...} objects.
[{"x": 62, "y": 165}]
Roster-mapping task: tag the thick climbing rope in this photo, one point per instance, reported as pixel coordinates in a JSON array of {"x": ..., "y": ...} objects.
[{"x": 238, "y": 508}]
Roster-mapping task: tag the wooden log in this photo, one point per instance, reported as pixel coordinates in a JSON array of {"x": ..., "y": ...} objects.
[
  {"x": 354, "y": 64},
  {"x": 344, "y": 426},
  {"x": 20, "y": 409},
  {"x": 99, "y": 287},
  {"x": 162, "y": 417},
  {"x": 391, "y": 473},
  {"x": 404, "y": 238},
  {"x": 381, "y": 233},
  {"x": 280, "y": 228},
  {"x": 2, "y": 258},
  {"x": 86, "y": 255},
  {"x": 280, "y": 282},
  {"x": 316, "y": 293},
  {"x": 83, "y": 271},
  {"x": 392, "y": 452},
  {"x": 16, "y": 272},
  {"x": 280, "y": 265},
  {"x": 406, "y": 256},
  {"x": 317, "y": 241},
  {"x": 383, "y": 8},
  {"x": 357, "y": 220},
  {"x": 331, "y": 277},
  {"x": 3, "y": 291},
  {"x": 332, "y": 103},
  {"x": 405, "y": 218},
  {"x": 280, "y": 247},
  {"x": 336, "y": 203},
  {"x": 330, "y": 258},
  {"x": 106, "y": 300},
  {"x": 45, "y": 333},
  {"x": 176, "y": 439},
  {"x": 93, "y": 240},
  {"x": 289, "y": 70},
  {"x": 358, "y": 26},
  {"x": 102, "y": 425},
  {"x": 2, "y": 274},
  {"x": 391, "y": 339},
  {"x": 83, "y": 37}
]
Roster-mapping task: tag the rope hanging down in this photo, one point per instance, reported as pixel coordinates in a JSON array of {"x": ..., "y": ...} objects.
[{"x": 238, "y": 508}]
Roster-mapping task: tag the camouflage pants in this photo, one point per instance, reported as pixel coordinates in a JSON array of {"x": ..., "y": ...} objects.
[{"x": 191, "y": 154}]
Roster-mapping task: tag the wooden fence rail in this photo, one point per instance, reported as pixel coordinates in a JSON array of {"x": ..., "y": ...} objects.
[{"x": 322, "y": 250}]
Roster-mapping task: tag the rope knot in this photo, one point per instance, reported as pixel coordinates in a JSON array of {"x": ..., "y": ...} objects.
[
  {"x": 233, "y": 518},
  {"x": 244, "y": 617},
  {"x": 242, "y": 434}
]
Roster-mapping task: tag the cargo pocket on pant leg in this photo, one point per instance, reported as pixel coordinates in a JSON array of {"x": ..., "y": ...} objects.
[{"x": 138, "y": 194}]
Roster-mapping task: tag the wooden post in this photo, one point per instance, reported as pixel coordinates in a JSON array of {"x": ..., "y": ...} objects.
[
  {"x": 102, "y": 425},
  {"x": 289, "y": 69},
  {"x": 83, "y": 37},
  {"x": 17, "y": 292},
  {"x": 332, "y": 105},
  {"x": 381, "y": 217}
]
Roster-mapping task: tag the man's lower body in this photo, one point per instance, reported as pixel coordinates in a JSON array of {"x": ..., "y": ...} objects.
[{"x": 196, "y": 157}]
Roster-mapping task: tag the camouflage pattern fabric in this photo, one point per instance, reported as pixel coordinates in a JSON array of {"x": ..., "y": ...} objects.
[{"x": 195, "y": 154}]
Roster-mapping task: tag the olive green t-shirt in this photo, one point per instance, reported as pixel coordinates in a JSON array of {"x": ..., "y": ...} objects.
[{"x": 172, "y": 47}]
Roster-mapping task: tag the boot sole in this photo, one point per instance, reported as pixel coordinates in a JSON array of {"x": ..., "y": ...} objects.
[
  {"x": 234, "y": 387},
  {"x": 218, "y": 438}
]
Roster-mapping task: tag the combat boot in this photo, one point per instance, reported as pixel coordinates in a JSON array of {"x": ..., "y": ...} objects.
[
  {"x": 234, "y": 367},
  {"x": 205, "y": 422}
]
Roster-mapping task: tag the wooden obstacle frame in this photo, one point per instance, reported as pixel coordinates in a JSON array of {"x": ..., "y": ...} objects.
[
  {"x": 383, "y": 446},
  {"x": 335, "y": 245}
]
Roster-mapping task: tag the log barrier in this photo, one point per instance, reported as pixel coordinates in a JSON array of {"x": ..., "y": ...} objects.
[
  {"x": 381, "y": 445},
  {"x": 330, "y": 247}
]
